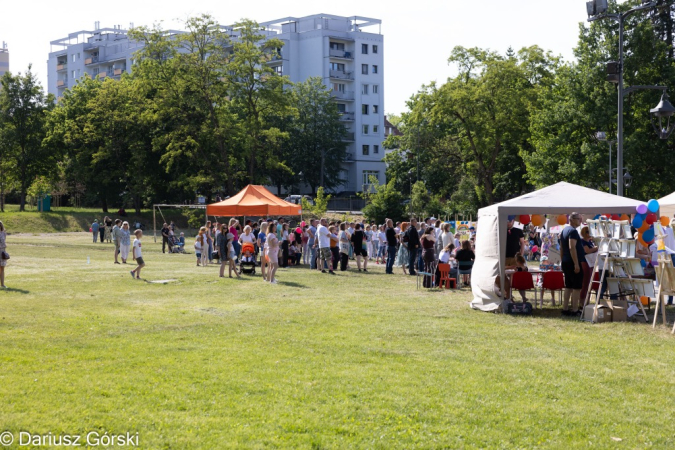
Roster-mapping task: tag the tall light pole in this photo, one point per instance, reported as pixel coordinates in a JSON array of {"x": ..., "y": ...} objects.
[
  {"x": 602, "y": 136},
  {"x": 597, "y": 9}
]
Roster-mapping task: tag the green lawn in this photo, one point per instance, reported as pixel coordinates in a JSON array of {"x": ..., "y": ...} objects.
[{"x": 352, "y": 361}]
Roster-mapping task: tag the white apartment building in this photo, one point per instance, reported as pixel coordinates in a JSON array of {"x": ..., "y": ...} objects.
[
  {"x": 103, "y": 52},
  {"x": 4, "y": 59},
  {"x": 346, "y": 52}
]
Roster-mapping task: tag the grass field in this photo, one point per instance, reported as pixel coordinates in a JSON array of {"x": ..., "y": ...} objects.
[{"x": 319, "y": 362}]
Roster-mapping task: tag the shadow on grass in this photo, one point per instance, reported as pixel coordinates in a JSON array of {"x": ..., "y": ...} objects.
[
  {"x": 293, "y": 284},
  {"x": 18, "y": 291}
]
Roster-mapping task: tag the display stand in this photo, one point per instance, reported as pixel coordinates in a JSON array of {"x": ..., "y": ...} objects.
[
  {"x": 665, "y": 274},
  {"x": 616, "y": 254}
]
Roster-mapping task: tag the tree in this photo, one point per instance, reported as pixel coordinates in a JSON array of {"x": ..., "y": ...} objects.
[
  {"x": 316, "y": 144},
  {"x": 386, "y": 202},
  {"x": 23, "y": 110}
]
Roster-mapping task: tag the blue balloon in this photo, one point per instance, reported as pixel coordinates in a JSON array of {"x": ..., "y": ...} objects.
[
  {"x": 648, "y": 235},
  {"x": 653, "y": 206},
  {"x": 511, "y": 218},
  {"x": 597, "y": 216},
  {"x": 641, "y": 216},
  {"x": 637, "y": 221}
]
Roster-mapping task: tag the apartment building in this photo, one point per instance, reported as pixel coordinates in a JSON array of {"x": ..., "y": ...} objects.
[
  {"x": 102, "y": 52},
  {"x": 347, "y": 53},
  {"x": 4, "y": 59}
]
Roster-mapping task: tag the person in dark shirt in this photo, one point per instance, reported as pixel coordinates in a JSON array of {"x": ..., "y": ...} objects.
[
  {"x": 572, "y": 255},
  {"x": 357, "y": 242},
  {"x": 165, "y": 238},
  {"x": 413, "y": 246},
  {"x": 465, "y": 254},
  {"x": 391, "y": 246},
  {"x": 515, "y": 243}
]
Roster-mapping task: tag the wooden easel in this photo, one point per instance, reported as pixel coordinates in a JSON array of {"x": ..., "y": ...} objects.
[{"x": 665, "y": 274}]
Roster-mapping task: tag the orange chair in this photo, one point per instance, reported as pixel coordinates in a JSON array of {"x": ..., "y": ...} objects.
[
  {"x": 522, "y": 281},
  {"x": 445, "y": 280},
  {"x": 552, "y": 281}
]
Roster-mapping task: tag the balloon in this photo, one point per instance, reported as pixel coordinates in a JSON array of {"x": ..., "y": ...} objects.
[
  {"x": 524, "y": 219},
  {"x": 644, "y": 227},
  {"x": 302, "y": 224},
  {"x": 616, "y": 217},
  {"x": 641, "y": 209},
  {"x": 607, "y": 216},
  {"x": 537, "y": 220},
  {"x": 648, "y": 235},
  {"x": 653, "y": 206},
  {"x": 511, "y": 218},
  {"x": 651, "y": 218},
  {"x": 597, "y": 217},
  {"x": 665, "y": 221},
  {"x": 625, "y": 217},
  {"x": 637, "y": 222},
  {"x": 562, "y": 219}
]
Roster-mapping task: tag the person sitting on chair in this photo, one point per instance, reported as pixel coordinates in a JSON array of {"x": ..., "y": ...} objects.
[{"x": 465, "y": 254}]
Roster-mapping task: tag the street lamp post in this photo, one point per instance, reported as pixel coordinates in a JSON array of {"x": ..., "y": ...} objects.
[
  {"x": 410, "y": 186},
  {"x": 602, "y": 136}
]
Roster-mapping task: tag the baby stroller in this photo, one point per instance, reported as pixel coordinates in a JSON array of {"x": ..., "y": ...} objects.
[
  {"x": 247, "y": 260},
  {"x": 176, "y": 245}
]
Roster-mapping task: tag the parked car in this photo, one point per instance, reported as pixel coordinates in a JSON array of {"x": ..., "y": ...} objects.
[{"x": 297, "y": 199}]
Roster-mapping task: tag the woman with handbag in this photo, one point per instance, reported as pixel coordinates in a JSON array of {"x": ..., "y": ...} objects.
[{"x": 4, "y": 257}]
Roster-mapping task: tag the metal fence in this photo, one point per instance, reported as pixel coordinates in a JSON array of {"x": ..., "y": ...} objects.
[{"x": 346, "y": 204}]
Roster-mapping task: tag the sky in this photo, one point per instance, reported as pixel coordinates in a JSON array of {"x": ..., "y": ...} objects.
[{"x": 418, "y": 36}]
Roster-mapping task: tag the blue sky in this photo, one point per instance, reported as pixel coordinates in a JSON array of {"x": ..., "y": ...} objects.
[{"x": 418, "y": 36}]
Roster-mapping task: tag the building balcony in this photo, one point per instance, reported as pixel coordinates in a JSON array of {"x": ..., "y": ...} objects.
[
  {"x": 348, "y": 137},
  {"x": 102, "y": 75},
  {"x": 118, "y": 72},
  {"x": 342, "y": 95},
  {"x": 340, "y": 54},
  {"x": 341, "y": 75},
  {"x": 92, "y": 60},
  {"x": 349, "y": 157},
  {"x": 61, "y": 67},
  {"x": 62, "y": 83},
  {"x": 346, "y": 116}
]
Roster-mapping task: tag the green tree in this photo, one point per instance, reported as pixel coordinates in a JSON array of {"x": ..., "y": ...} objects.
[
  {"x": 23, "y": 111},
  {"x": 385, "y": 202},
  {"x": 320, "y": 206}
]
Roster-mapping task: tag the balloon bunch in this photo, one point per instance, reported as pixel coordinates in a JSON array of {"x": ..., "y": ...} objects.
[
  {"x": 644, "y": 221},
  {"x": 536, "y": 219}
]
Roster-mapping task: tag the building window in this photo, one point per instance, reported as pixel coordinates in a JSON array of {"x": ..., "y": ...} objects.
[
  {"x": 376, "y": 89},
  {"x": 376, "y": 129},
  {"x": 337, "y": 66},
  {"x": 364, "y": 69},
  {"x": 337, "y": 46},
  {"x": 364, "y": 49},
  {"x": 370, "y": 173},
  {"x": 376, "y": 109},
  {"x": 376, "y": 149},
  {"x": 374, "y": 69},
  {"x": 339, "y": 87},
  {"x": 374, "y": 48},
  {"x": 279, "y": 69},
  {"x": 341, "y": 107},
  {"x": 366, "y": 149},
  {"x": 74, "y": 58},
  {"x": 365, "y": 129},
  {"x": 364, "y": 89},
  {"x": 74, "y": 77},
  {"x": 364, "y": 109},
  {"x": 95, "y": 71}
]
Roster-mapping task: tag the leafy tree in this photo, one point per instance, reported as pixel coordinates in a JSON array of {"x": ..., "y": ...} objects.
[
  {"x": 23, "y": 111},
  {"x": 385, "y": 202},
  {"x": 320, "y": 206}
]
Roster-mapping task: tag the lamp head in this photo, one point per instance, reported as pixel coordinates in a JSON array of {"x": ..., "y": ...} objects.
[{"x": 663, "y": 112}]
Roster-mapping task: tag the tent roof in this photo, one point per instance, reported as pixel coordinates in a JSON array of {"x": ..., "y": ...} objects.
[
  {"x": 253, "y": 200},
  {"x": 564, "y": 198},
  {"x": 667, "y": 205}
]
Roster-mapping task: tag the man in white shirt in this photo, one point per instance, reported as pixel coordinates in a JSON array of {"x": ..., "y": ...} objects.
[{"x": 324, "y": 246}]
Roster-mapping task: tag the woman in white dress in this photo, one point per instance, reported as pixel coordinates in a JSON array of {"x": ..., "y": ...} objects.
[{"x": 125, "y": 241}]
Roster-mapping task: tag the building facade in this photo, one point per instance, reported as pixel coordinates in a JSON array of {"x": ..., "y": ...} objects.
[
  {"x": 103, "y": 52},
  {"x": 4, "y": 59},
  {"x": 346, "y": 52}
]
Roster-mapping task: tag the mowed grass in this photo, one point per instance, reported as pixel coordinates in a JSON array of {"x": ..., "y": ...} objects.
[{"x": 352, "y": 361}]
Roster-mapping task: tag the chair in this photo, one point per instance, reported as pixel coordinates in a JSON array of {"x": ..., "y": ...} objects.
[
  {"x": 522, "y": 281},
  {"x": 552, "y": 281},
  {"x": 445, "y": 280},
  {"x": 464, "y": 268}
]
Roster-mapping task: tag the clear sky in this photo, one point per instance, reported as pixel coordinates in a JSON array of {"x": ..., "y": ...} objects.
[{"x": 418, "y": 35}]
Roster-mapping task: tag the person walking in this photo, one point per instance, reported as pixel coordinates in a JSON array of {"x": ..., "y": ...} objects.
[
  {"x": 116, "y": 238},
  {"x": 325, "y": 255},
  {"x": 359, "y": 245},
  {"x": 391, "y": 246},
  {"x": 165, "y": 238},
  {"x": 413, "y": 246},
  {"x": 4, "y": 256},
  {"x": 95, "y": 229},
  {"x": 124, "y": 241},
  {"x": 101, "y": 231},
  {"x": 108, "y": 229},
  {"x": 138, "y": 255},
  {"x": 231, "y": 255},
  {"x": 272, "y": 252}
]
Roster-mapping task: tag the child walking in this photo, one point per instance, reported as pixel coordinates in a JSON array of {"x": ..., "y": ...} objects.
[{"x": 137, "y": 255}]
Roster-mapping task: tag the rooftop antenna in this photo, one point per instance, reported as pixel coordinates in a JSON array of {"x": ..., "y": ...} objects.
[{"x": 97, "y": 25}]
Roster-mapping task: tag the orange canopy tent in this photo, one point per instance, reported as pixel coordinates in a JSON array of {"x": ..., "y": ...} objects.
[{"x": 253, "y": 200}]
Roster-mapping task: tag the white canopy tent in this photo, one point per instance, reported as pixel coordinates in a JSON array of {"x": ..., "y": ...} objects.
[
  {"x": 667, "y": 205},
  {"x": 560, "y": 198}
]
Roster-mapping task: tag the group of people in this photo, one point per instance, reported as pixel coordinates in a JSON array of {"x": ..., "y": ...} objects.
[{"x": 119, "y": 233}]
